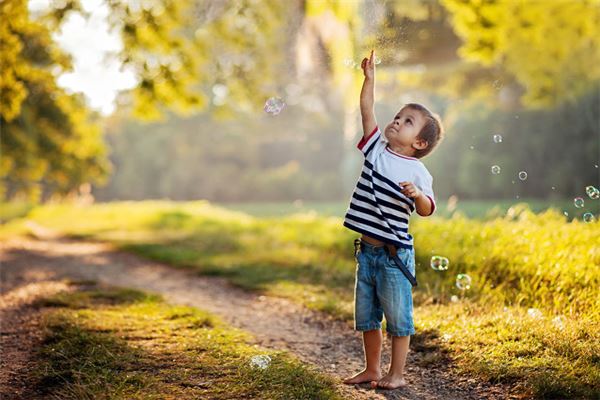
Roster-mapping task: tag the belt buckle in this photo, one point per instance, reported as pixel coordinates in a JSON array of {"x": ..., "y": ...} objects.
[{"x": 391, "y": 249}]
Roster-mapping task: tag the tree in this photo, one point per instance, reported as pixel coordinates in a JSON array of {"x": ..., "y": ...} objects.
[{"x": 47, "y": 135}]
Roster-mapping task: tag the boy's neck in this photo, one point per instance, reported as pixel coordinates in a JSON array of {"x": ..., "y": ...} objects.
[{"x": 404, "y": 150}]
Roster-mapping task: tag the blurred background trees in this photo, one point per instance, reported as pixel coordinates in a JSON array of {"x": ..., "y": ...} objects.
[{"x": 194, "y": 126}]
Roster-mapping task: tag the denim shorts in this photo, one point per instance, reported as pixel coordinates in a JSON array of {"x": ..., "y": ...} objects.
[{"x": 382, "y": 289}]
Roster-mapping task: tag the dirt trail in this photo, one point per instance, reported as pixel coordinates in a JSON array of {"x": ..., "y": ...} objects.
[{"x": 32, "y": 268}]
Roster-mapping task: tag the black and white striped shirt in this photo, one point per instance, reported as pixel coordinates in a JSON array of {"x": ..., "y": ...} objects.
[{"x": 377, "y": 207}]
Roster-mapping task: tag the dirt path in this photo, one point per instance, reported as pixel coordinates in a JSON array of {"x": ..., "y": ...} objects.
[{"x": 31, "y": 268}]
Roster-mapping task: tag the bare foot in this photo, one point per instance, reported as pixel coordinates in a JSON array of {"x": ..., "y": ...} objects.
[
  {"x": 389, "y": 381},
  {"x": 363, "y": 376}
]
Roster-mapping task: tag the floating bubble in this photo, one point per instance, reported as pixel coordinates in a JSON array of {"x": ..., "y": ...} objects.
[
  {"x": 439, "y": 263},
  {"x": 553, "y": 188},
  {"x": 471, "y": 147},
  {"x": 566, "y": 213},
  {"x": 578, "y": 201},
  {"x": 522, "y": 175},
  {"x": 559, "y": 321},
  {"x": 592, "y": 192},
  {"x": 497, "y": 138},
  {"x": 261, "y": 361},
  {"x": 274, "y": 105},
  {"x": 495, "y": 169},
  {"x": 454, "y": 298},
  {"x": 220, "y": 90},
  {"x": 497, "y": 84},
  {"x": 348, "y": 62},
  {"x": 534, "y": 313},
  {"x": 463, "y": 281},
  {"x": 376, "y": 60},
  {"x": 588, "y": 217}
]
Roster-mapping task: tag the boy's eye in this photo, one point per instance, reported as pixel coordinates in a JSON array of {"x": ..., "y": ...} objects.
[{"x": 408, "y": 120}]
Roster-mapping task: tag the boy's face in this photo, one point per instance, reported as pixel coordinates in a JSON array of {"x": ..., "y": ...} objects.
[{"x": 404, "y": 129}]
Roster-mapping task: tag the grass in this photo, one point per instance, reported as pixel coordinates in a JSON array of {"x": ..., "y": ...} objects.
[
  {"x": 119, "y": 343},
  {"x": 518, "y": 261},
  {"x": 480, "y": 209}
]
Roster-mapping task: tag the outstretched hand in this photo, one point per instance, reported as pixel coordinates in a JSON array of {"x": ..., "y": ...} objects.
[{"x": 368, "y": 66}]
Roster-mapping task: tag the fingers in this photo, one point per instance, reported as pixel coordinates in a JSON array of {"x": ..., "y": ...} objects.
[
  {"x": 371, "y": 57},
  {"x": 363, "y": 64},
  {"x": 408, "y": 189}
]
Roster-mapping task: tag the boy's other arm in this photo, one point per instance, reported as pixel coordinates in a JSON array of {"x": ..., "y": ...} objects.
[
  {"x": 423, "y": 205},
  {"x": 367, "y": 96}
]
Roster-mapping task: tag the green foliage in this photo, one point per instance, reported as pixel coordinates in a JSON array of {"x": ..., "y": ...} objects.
[
  {"x": 552, "y": 48},
  {"x": 49, "y": 139}
]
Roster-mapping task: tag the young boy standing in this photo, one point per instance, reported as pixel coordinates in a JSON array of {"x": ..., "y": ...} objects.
[{"x": 393, "y": 183}]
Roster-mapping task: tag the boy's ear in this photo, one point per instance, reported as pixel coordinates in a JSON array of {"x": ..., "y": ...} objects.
[{"x": 420, "y": 144}]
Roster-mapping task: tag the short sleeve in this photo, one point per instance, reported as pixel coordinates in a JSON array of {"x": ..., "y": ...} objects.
[
  {"x": 373, "y": 140},
  {"x": 424, "y": 182}
]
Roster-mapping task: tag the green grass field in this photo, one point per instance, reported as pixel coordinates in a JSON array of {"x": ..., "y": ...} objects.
[
  {"x": 118, "y": 343},
  {"x": 480, "y": 209},
  {"x": 530, "y": 317}
]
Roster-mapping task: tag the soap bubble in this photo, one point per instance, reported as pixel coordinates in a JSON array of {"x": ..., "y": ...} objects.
[
  {"x": 497, "y": 138},
  {"x": 439, "y": 263},
  {"x": 534, "y": 313},
  {"x": 454, "y": 298},
  {"x": 578, "y": 201},
  {"x": 593, "y": 192},
  {"x": 497, "y": 84},
  {"x": 495, "y": 169},
  {"x": 348, "y": 62},
  {"x": 463, "y": 281},
  {"x": 274, "y": 105},
  {"x": 261, "y": 361},
  {"x": 471, "y": 147},
  {"x": 522, "y": 175},
  {"x": 588, "y": 217},
  {"x": 376, "y": 60},
  {"x": 559, "y": 321}
]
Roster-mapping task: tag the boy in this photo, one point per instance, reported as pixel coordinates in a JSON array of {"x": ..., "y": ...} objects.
[{"x": 393, "y": 183}]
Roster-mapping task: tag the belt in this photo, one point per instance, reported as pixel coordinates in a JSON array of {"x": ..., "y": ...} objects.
[{"x": 393, "y": 252}]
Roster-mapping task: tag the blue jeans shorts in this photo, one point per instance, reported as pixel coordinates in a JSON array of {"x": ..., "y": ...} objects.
[{"x": 382, "y": 289}]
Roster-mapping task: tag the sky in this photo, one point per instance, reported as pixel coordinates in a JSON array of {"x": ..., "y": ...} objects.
[{"x": 90, "y": 42}]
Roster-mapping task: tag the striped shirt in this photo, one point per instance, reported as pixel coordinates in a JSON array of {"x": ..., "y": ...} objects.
[{"x": 377, "y": 207}]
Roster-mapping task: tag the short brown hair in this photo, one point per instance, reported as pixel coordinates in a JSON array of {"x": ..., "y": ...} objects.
[{"x": 432, "y": 131}]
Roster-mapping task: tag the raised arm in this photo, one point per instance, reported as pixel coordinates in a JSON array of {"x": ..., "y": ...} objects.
[{"x": 367, "y": 96}]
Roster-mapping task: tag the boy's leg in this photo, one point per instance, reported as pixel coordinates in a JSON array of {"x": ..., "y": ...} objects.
[
  {"x": 395, "y": 293},
  {"x": 372, "y": 341},
  {"x": 368, "y": 315},
  {"x": 395, "y": 375}
]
